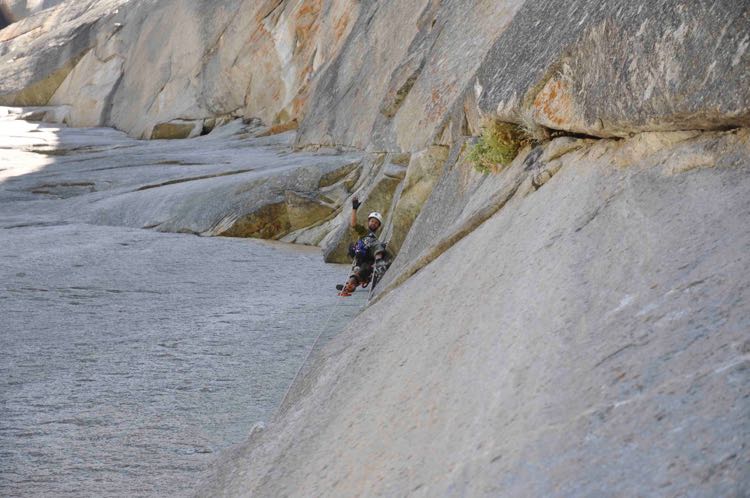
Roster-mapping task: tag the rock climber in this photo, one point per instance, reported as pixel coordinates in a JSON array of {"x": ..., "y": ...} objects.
[{"x": 368, "y": 252}]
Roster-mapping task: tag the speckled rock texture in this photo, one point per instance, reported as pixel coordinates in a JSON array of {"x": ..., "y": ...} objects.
[
  {"x": 574, "y": 325},
  {"x": 135, "y": 64},
  {"x": 613, "y": 68},
  {"x": 588, "y": 339},
  {"x": 209, "y": 185},
  {"x": 418, "y": 58},
  {"x": 15, "y": 10},
  {"x": 382, "y": 75}
]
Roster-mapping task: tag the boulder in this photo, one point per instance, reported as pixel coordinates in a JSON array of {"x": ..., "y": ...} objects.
[{"x": 178, "y": 128}]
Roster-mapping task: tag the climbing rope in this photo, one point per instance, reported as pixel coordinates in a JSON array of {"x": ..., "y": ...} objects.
[{"x": 307, "y": 357}]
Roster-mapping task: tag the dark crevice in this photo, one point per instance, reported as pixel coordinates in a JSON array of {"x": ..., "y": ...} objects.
[
  {"x": 530, "y": 161},
  {"x": 617, "y": 353},
  {"x": 4, "y": 19},
  {"x": 192, "y": 179},
  {"x": 42, "y": 224},
  {"x": 271, "y": 9},
  {"x": 109, "y": 102},
  {"x": 553, "y": 133}
]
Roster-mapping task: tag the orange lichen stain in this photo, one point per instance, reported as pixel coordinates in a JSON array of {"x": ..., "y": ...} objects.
[
  {"x": 261, "y": 35},
  {"x": 280, "y": 128},
  {"x": 308, "y": 11},
  {"x": 554, "y": 102},
  {"x": 340, "y": 27},
  {"x": 299, "y": 102},
  {"x": 304, "y": 75},
  {"x": 436, "y": 107},
  {"x": 306, "y": 24}
]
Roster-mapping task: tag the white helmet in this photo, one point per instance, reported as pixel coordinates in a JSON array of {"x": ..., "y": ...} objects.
[{"x": 376, "y": 215}]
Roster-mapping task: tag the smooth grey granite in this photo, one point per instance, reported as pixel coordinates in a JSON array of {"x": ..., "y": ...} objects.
[{"x": 589, "y": 338}]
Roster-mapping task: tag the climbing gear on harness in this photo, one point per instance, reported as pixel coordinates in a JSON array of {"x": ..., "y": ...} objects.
[
  {"x": 360, "y": 249},
  {"x": 380, "y": 267}
]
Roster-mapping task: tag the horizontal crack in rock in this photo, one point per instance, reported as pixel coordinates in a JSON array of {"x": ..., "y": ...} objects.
[{"x": 192, "y": 179}]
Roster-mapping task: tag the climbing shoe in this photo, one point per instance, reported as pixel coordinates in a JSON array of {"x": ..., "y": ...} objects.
[{"x": 346, "y": 289}]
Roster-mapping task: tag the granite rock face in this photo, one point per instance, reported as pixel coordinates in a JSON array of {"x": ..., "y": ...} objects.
[
  {"x": 558, "y": 349},
  {"x": 138, "y": 64},
  {"x": 574, "y": 325},
  {"x": 388, "y": 77},
  {"x": 608, "y": 68},
  {"x": 38, "y": 53},
  {"x": 15, "y": 10},
  {"x": 422, "y": 173},
  {"x": 210, "y": 185},
  {"x": 417, "y": 59},
  {"x": 599, "y": 68}
]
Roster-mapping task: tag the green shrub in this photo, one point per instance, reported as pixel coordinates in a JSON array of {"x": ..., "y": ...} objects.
[{"x": 497, "y": 146}]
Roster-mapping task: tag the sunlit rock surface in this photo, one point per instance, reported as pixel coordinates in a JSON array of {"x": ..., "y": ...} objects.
[
  {"x": 574, "y": 325},
  {"x": 610, "y": 68},
  {"x": 137, "y": 64},
  {"x": 389, "y": 76},
  {"x": 589, "y": 338},
  {"x": 15, "y": 10},
  {"x": 208, "y": 185},
  {"x": 132, "y": 357}
]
